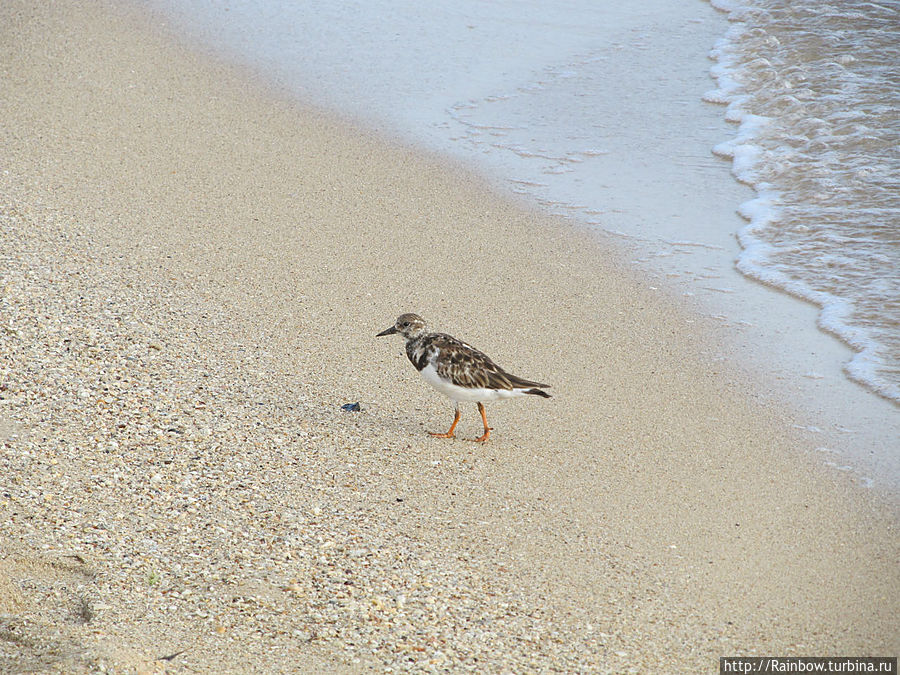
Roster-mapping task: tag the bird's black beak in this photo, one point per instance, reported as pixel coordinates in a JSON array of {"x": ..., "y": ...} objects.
[{"x": 389, "y": 331}]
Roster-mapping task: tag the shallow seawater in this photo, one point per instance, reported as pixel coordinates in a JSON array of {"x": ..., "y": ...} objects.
[{"x": 816, "y": 88}]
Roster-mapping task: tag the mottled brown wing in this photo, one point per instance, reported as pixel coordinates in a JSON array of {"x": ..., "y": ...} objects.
[{"x": 468, "y": 367}]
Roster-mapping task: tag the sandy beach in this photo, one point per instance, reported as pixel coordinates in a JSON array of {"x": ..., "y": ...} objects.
[{"x": 193, "y": 269}]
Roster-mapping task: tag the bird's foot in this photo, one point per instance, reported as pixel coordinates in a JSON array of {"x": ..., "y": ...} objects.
[
  {"x": 482, "y": 439},
  {"x": 449, "y": 434}
]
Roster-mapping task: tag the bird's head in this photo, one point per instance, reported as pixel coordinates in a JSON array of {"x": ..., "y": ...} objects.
[{"x": 409, "y": 326}]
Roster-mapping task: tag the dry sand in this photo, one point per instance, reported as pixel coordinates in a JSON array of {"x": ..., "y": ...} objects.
[{"x": 193, "y": 272}]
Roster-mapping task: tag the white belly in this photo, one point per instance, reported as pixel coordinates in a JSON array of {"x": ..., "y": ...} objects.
[{"x": 472, "y": 394}]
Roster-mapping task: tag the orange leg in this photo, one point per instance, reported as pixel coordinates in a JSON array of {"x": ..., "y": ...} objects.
[
  {"x": 487, "y": 429},
  {"x": 450, "y": 433}
]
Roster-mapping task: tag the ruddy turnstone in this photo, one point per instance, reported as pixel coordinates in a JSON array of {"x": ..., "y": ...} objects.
[{"x": 458, "y": 370}]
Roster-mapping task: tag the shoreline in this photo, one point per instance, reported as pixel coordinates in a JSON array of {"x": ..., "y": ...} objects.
[
  {"x": 656, "y": 141},
  {"x": 193, "y": 275}
]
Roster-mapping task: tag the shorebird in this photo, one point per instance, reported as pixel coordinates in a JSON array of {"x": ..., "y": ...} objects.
[{"x": 458, "y": 370}]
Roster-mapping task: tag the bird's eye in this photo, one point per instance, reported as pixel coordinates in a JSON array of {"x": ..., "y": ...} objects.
[{"x": 405, "y": 324}]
